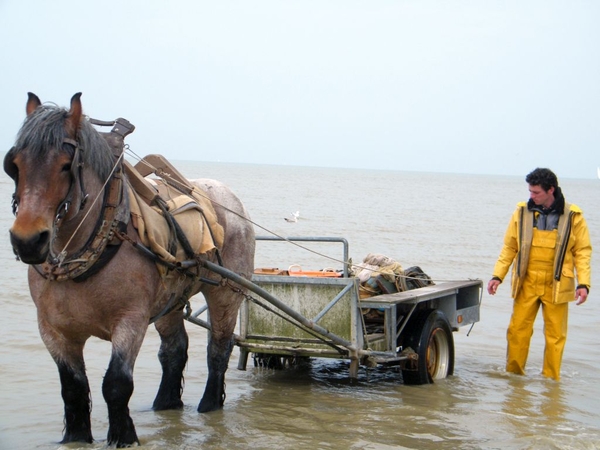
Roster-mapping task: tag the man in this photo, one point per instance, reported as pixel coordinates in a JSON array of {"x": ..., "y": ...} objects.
[{"x": 548, "y": 244}]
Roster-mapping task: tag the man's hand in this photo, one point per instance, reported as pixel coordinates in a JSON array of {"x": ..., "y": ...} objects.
[
  {"x": 493, "y": 286},
  {"x": 581, "y": 295}
]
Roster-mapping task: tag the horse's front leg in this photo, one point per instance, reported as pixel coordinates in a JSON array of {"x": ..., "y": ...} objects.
[
  {"x": 76, "y": 397},
  {"x": 117, "y": 386},
  {"x": 75, "y": 389},
  {"x": 75, "y": 392}
]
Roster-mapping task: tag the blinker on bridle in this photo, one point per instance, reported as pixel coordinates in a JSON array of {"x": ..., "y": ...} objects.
[
  {"x": 77, "y": 178},
  {"x": 12, "y": 173}
]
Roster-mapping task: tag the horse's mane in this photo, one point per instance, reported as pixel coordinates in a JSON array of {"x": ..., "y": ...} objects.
[{"x": 44, "y": 131}]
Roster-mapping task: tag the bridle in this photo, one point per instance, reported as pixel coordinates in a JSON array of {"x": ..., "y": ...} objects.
[
  {"x": 113, "y": 219},
  {"x": 95, "y": 253},
  {"x": 76, "y": 179}
]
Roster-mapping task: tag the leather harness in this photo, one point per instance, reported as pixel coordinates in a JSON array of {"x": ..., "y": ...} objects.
[
  {"x": 111, "y": 228},
  {"x": 103, "y": 243}
]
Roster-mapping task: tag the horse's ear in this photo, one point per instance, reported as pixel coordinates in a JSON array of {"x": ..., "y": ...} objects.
[
  {"x": 33, "y": 101},
  {"x": 74, "y": 116}
]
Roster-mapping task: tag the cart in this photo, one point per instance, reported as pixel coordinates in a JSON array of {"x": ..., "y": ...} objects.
[{"x": 290, "y": 315}]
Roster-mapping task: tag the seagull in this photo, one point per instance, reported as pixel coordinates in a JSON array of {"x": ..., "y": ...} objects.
[{"x": 294, "y": 217}]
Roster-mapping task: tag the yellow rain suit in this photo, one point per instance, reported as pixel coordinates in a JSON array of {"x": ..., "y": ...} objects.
[{"x": 543, "y": 274}]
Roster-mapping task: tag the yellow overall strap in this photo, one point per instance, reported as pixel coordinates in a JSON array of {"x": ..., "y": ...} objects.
[
  {"x": 524, "y": 241},
  {"x": 564, "y": 231}
]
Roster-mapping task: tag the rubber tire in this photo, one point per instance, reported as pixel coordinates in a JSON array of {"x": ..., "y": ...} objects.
[{"x": 430, "y": 336}]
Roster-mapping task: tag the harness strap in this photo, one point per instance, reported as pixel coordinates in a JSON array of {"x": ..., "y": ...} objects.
[
  {"x": 110, "y": 222},
  {"x": 181, "y": 266},
  {"x": 103, "y": 244}
]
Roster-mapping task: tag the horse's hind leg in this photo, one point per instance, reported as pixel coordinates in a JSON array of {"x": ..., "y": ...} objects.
[
  {"x": 117, "y": 386},
  {"x": 219, "y": 351},
  {"x": 173, "y": 358},
  {"x": 223, "y": 307}
]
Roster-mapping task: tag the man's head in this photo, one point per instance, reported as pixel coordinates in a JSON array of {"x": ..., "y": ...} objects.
[
  {"x": 542, "y": 177},
  {"x": 542, "y": 185}
]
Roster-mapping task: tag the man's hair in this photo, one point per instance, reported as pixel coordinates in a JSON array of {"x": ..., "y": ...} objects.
[{"x": 542, "y": 177}]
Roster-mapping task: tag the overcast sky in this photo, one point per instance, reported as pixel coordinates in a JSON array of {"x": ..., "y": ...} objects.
[{"x": 487, "y": 87}]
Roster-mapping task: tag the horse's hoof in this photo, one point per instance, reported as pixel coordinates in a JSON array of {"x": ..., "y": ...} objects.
[
  {"x": 205, "y": 407},
  {"x": 123, "y": 445},
  {"x": 165, "y": 406},
  {"x": 130, "y": 440},
  {"x": 135, "y": 444},
  {"x": 78, "y": 437}
]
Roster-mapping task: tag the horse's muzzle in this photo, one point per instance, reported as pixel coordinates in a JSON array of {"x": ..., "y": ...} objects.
[{"x": 33, "y": 249}]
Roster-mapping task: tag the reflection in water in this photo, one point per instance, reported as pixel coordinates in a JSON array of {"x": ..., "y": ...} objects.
[
  {"x": 536, "y": 411},
  {"x": 319, "y": 407},
  {"x": 542, "y": 406},
  {"x": 553, "y": 405}
]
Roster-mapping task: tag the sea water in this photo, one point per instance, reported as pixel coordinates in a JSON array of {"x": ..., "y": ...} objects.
[{"x": 451, "y": 225}]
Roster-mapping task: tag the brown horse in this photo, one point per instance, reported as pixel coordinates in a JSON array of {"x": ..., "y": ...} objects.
[{"x": 88, "y": 278}]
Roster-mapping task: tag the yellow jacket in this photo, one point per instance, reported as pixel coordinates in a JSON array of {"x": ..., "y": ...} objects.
[{"x": 572, "y": 255}]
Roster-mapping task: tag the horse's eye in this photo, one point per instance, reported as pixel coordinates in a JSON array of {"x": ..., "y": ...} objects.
[{"x": 66, "y": 167}]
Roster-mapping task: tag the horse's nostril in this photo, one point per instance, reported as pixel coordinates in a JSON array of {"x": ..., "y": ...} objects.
[
  {"x": 43, "y": 238},
  {"x": 31, "y": 250}
]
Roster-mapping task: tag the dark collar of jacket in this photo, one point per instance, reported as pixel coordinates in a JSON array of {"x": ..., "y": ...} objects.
[{"x": 558, "y": 206}]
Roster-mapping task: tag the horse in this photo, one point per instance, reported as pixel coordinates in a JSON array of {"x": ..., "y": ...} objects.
[{"x": 88, "y": 276}]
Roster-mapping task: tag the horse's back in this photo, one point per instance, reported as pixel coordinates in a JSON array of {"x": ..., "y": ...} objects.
[
  {"x": 238, "y": 247},
  {"x": 227, "y": 205}
]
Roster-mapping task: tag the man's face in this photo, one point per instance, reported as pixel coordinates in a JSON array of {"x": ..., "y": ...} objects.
[{"x": 541, "y": 197}]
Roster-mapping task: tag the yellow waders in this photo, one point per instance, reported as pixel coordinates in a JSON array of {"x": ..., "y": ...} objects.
[{"x": 535, "y": 291}]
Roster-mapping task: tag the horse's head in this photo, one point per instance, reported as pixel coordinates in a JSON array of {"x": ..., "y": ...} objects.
[{"x": 46, "y": 165}]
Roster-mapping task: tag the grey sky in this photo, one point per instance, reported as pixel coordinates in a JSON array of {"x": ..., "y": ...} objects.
[{"x": 490, "y": 87}]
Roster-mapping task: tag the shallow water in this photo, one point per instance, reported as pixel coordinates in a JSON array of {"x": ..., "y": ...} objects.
[{"x": 450, "y": 225}]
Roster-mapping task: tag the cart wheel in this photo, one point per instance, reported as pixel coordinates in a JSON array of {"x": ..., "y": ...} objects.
[{"x": 430, "y": 336}]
